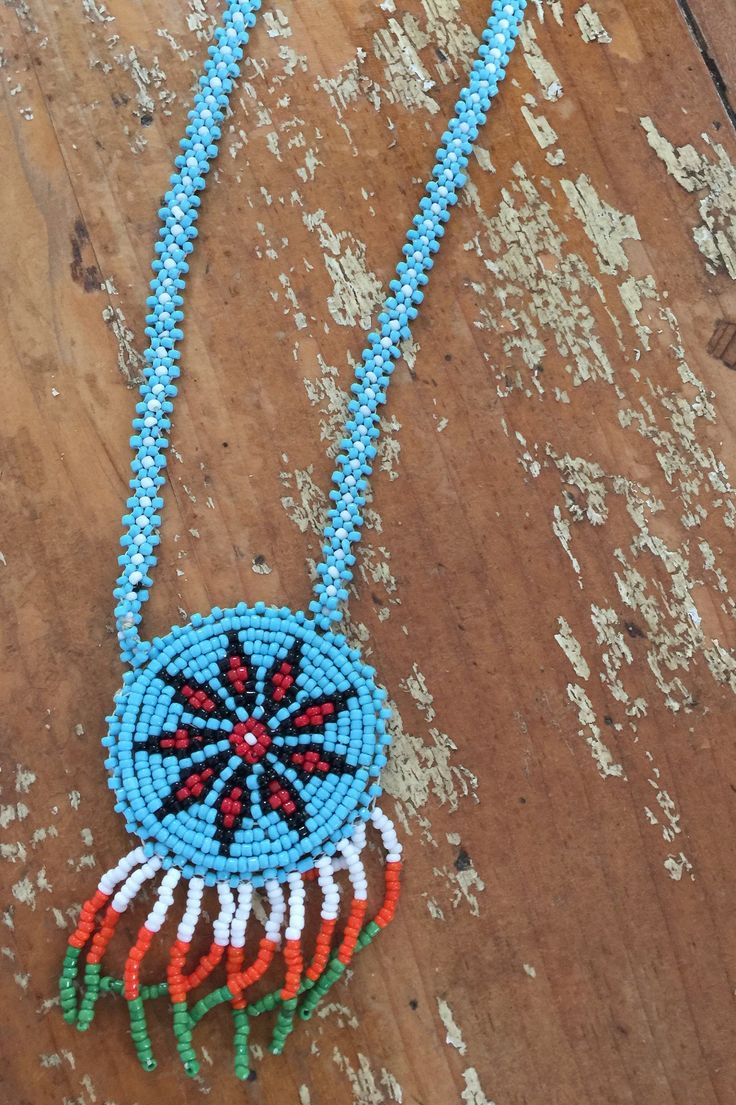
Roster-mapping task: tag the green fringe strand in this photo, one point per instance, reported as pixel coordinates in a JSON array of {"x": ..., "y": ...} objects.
[{"x": 82, "y": 1012}]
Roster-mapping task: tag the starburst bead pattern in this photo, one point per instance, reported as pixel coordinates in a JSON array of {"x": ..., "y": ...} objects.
[{"x": 248, "y": 745}]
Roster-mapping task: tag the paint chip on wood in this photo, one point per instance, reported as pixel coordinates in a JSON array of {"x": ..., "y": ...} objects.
[{"x": 591, "y": 28}]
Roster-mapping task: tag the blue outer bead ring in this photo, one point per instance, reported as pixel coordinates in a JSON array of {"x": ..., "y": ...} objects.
[{"x": 248, "y": 744}]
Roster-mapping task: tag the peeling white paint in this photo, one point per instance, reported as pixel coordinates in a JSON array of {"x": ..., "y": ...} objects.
[
  {"x": 653, "y": 620},
  {"x": 435, "y": 910},
  {"x": 590, "y": 730},
  {"x": 344, "y": 1016},
  {"x": 670, "y": 824},
  {"x": 464, "y": 885},
  {"x": 417, "y": 770},
  {"x": 571, "y": 648},
  {"x": 200, "y": 21},
  {"x": 454, "y": 1036},
  {"x": 96, "y": 13},
  {"x": 130, "y": 361},
  {"x": 24, "y": 779},
  {"x": 714, "y": 175},
  {"x": 677, "y": 866},
  {"x": 554, "y": 6},
  {"x": 606, "y": 227},
  {"x": 561, "y": 529},
  {"x": 404, "y": 71},
  {"x": 538, "y": 261},
  {"x": 24, "y": 891},
  {"x": 277, "y": 24},
  {"x": 357, "y": 291},
  {"x": 538, "y": 65},
  {"x": 368, "y": 1087},
  {"x": 591, "y": 27},
  {"x": 473, "y": 1094},
  {"x": 544, "y": 134},
  {"x": 12, "y": 813}
]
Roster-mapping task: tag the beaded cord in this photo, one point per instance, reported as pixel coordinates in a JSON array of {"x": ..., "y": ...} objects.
[
  {"x": 245, "y": 747},
  {"x": 175, "y": 244}
]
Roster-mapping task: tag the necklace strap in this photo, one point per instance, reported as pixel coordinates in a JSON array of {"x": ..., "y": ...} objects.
[{"x": 164, "y": 322}]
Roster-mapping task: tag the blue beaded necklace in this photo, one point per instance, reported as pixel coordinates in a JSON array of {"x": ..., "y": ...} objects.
[{"x": 245, "y": 747}]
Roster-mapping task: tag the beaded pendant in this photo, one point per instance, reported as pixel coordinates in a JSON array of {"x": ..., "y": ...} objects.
[{"x": 245, "y": 748}]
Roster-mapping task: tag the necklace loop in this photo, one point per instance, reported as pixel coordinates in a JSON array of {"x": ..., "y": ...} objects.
[{"x": 354, "y": 466}]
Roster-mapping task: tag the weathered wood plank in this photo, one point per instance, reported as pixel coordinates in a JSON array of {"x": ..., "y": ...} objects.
[
  {"x": 712, "y": 24},
  {"x": 546, "y": 586}
]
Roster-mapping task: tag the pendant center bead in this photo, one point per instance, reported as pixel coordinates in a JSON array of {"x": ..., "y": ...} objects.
[{"x": 250, "y": 740}]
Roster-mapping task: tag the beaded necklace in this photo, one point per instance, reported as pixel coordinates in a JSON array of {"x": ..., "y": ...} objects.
[{"x": 245, "y": 747}]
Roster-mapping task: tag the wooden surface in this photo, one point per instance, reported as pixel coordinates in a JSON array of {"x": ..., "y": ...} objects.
[
  {"x": 546, "y": 583},
  {"x": 711, "y": 23}
]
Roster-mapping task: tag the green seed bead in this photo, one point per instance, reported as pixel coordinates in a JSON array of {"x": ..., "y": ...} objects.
[
  {"x": 324, "y": 983},
  {"x": 67, "y": 990},
  {"x": 367, "y": 934},
  {"x": 241, "y": 1062}
]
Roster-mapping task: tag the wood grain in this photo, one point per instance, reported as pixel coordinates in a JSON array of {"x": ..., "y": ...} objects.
[{"x": 546, "y": 586}]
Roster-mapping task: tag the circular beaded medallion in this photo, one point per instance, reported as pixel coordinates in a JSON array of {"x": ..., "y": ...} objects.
[{"x": 247, "y": 745}]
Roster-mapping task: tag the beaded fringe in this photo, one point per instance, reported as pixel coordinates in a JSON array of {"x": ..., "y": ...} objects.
[{"x": 304, "y": 982}]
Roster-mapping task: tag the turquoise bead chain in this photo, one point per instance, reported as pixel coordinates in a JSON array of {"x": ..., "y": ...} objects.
[{"x": 158, "y": 389}]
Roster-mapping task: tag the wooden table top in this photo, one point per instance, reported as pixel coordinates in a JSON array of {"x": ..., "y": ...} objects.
[{"x": 546, "y": 582}]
